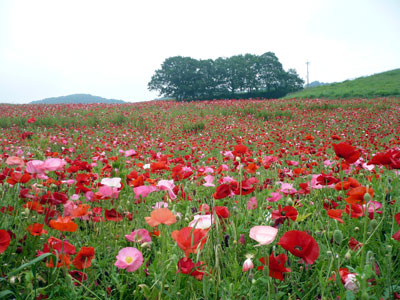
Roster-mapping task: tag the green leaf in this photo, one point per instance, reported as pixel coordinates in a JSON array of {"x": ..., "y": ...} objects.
[
  {"x": 33, "y": 261},
  {"x": 6, "y": 293},
  {"x": 301, "y": 218}
]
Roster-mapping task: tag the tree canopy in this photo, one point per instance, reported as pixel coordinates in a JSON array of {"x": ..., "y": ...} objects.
[{"x": 239, "y": 76}]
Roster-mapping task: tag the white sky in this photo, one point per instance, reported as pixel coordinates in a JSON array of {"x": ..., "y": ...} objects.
[{"x": 112, "y": 48}]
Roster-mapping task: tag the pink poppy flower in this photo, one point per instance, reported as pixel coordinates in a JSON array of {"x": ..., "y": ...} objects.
[
  {"x": 139, "y": 236},
  {"x": 54, "y": 164},
  {"x": 209, "y": 180},
  {"x": 35, "y": 167},
  {"x": 108, "y": 192},
  {"x": 160, "y": 204},
  {"x": 167, "y": 185},
  {"x": 373, "y": 207},
  {"x": 202, "y": 221},
  {"x": 252, "y": 203},
  {"x": 275, "y": 197},
  {"x": 112, "y": 182},
  {"x": 130, "y": 152},
  {"x": 287, "y": 188},
  {"x": 143, "y": 191},
  {"x": 15, "y": 160},
  {"x": 129, "y": 258},
  {"x": 264, "y": 235}
]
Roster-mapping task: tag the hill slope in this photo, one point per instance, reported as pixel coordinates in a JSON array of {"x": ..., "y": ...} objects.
[
  {"x": 378, "y": 85},
  {"x": 76, "y": 98}
]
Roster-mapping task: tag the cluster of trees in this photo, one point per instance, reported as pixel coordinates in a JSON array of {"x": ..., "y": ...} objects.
[{"x": 239, "y": 76}]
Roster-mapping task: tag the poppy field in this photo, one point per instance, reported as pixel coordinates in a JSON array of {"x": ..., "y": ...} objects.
[{"x": 230, "y": 199}]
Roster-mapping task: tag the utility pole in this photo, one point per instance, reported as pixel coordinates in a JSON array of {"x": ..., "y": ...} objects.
[{"x": 307, "y": 63}]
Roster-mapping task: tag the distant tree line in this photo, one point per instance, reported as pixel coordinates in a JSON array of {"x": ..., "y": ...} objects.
[{"x": 239, "y": 76}]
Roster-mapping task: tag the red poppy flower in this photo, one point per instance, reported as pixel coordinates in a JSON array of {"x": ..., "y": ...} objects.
[
  {"x": 78, "y": 275},
  {"x": 356, "y": 195},
  {"x": 34, "y": 205},
  {"x": 18, "y": 177},
  {"x": 31, "y": 120},
  {"x": 185, "y": 265},
  {"x": 300, "y": 244},
  {"x": 189, "y": 239},
  {"x": 221, "y": 212},
  {"x": 282, "y": 214},
  {"x": 354, "y": 210},
  {"x": 36, "y": 229},
  {"x": 396, "y": 236},
  {"x": 346, "y": 151},
  {"x": 83, "y": 259},
  {"x": 60, "y": 246},
  {"x": 4, "y": 240},
  {"x": 112, "y": 215},
  {"x": 389, "y": 158},
  {"x": 354, "y": 244},
  {"x": 276, "y": 265},
  {"x": 239, "y": 150},
  {"x": 335, "y": 214},
  {"x": 223, "y": 191},
  {"x": 63, "y": 224}
]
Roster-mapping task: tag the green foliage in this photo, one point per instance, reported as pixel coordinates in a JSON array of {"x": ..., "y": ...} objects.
[
  {"x": 193, "y": 127},
  {"x": 379, "y": 85},
  {"x": 239, "y": 76}
]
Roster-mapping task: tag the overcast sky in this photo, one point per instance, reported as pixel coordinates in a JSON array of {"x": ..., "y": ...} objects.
[{"x": 112, "y": 48}]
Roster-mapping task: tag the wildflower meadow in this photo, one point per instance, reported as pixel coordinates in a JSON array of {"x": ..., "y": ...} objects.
[{"x": 228, "y": 199}]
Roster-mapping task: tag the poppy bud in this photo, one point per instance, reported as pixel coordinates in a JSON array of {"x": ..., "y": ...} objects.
[
  {"x": 242, "y": 239},
  {"x": 338, "y": 236},
  {"x": 347, "y": 255},
  {"x": 356, "y": 229},
  {"x": 367, "y": 197},
  {"x": 373, "y": 224},
  {"x": 289, "y": 202},
  {"x": 247, "y": 265},
  {"x": 370, "y": 257}
]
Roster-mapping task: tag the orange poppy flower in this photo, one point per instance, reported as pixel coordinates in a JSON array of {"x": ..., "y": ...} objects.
[
  {"x": 348, "y": 184},
  {"x": 34, "y": 205},
  {"x": 81, "y": 210},
  {"x": 36, "y": 229},
  {"x": 161, "y": 216},
  {"x": 190, "y": 239},
  {"x": 63, "y": 259},
  {"x": 335, "y": 214},
  {"x": 63, "y": 224},
  {"x": 252, "y": 168},
  {"x": 356, "y": 195},
  {"x": 83, "y": 259}
]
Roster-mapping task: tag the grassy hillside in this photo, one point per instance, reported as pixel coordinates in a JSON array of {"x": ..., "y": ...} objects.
[
  {"x": 76, "y": 98},
  {"x": 379, "y": 85}
]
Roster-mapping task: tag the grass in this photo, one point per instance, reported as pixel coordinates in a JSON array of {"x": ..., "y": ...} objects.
[{"x": 384, "y": 84}]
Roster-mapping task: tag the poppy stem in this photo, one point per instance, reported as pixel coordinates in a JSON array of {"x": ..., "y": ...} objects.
[{"x": 363, "y": 253}]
